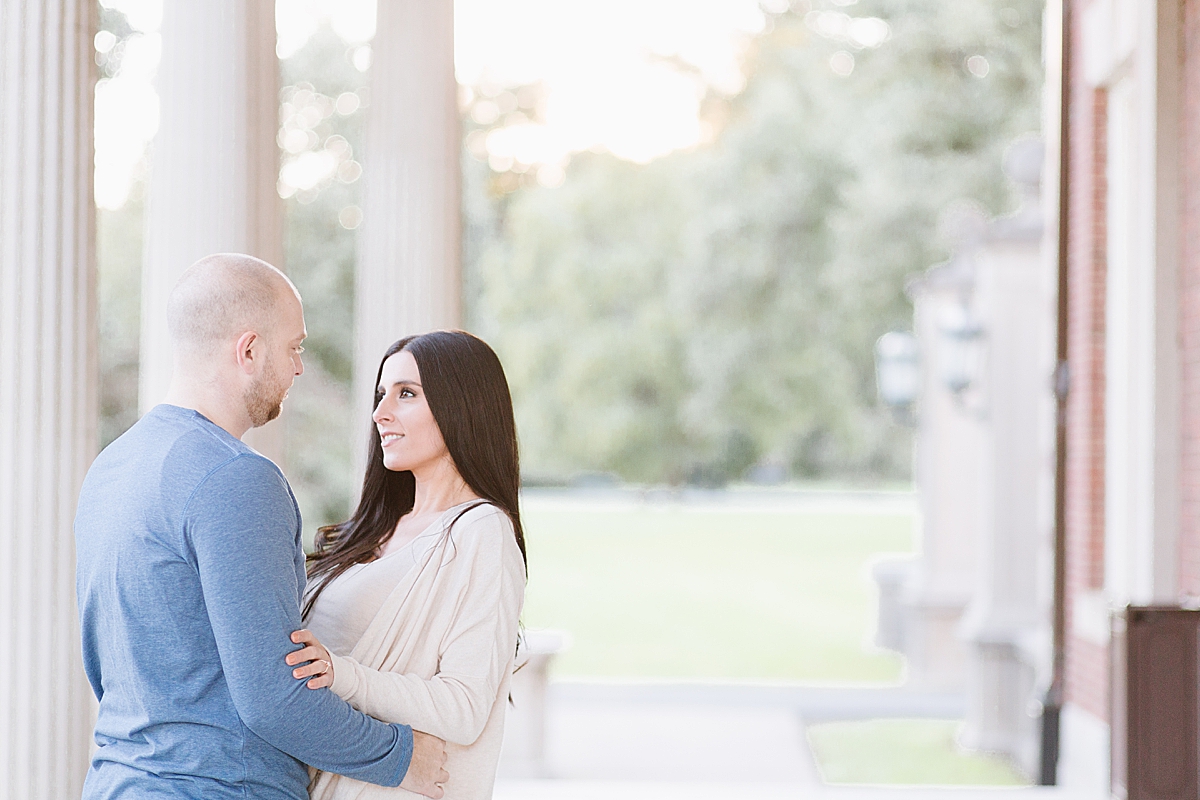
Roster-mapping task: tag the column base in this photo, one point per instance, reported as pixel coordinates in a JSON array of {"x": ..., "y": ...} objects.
[
  {"x": 1083, "y": 763},
  {"x": 1003, "y": 712},
  {"x": 937, "y": 657},
  {"x": 922, "y": 626}
]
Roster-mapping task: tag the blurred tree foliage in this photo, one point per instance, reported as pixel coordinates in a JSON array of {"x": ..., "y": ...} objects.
[
  {"x": 320, "y": 253},
  {"x": 119, "y": 285},
  {"x": 320, "y": 248},
  {"x": 119, "y": 276},
  {"x": 705, "y": 317},
  {"x": 711, "y": 315}
]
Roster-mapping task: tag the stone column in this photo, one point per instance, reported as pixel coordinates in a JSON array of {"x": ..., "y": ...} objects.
[
  {"x": 49, "y": 408},
  {"x": 1007, "y": 625},
  {"x": 408, "y": 277},
  {"x": 214, "y": 165},
  {"x": 949, "y": 475},
  {"x": 524, "y": 752}
]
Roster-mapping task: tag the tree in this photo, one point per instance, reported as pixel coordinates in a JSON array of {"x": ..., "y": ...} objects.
[
  {"x": 716, "y": 309},
  {"x": 322, "y": 111}
]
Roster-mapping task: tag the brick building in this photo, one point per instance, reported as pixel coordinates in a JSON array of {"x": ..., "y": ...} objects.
[{"x": 1132, "y": 475}]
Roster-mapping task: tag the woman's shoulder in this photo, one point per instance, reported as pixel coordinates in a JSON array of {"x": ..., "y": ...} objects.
[
  {"x": 485, "y": 527},
  {"x": 482, "y": 517},
  {"x": 482, "y": 512}
]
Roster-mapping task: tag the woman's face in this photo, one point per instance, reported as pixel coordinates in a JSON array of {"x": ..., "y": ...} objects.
[{"x": 408, "y": 432}]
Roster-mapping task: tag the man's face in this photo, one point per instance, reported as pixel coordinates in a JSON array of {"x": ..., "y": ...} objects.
[{"x": 281, "y": 364}]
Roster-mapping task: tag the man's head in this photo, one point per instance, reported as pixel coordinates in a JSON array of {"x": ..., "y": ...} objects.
[{"x": 237, "y": 321}]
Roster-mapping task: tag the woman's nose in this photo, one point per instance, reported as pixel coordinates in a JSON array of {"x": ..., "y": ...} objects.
[{"x": 381, "y": 413}]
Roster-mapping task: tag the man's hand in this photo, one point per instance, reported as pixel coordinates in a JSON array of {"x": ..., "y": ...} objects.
[{"x": 427, "y": 771}]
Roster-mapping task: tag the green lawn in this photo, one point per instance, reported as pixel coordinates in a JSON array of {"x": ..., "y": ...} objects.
[
  {"x": 903, "y": 751},
  {"x": 669, "y": 591}
]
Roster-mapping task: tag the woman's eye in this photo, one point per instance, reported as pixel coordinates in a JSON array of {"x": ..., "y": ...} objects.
[{"x": 407, "y": 393}]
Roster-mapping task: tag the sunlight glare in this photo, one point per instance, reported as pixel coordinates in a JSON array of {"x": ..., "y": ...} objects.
[
  {"x": 143, "y": 15},
  {"x": 126, "y": 119},
  {"x": 297, "y": 20},
  {"x": 625, "y": 77}
]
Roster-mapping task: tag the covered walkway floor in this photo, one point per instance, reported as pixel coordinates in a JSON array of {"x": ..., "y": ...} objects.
[
  {"x": 646, "y": 790},
  {"x": 648, "y": 740}
]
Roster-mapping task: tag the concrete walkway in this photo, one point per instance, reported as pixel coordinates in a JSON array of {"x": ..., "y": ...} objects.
[
  {"x": 696, "y": 791},
  {"x": 637, "y": 790},
  {"x": 642, "y": 740}
]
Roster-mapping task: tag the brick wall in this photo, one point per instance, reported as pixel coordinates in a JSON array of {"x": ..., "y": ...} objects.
[
  {"x": 1189, "y": 544},
  {"x": 1087, "y": 670}
]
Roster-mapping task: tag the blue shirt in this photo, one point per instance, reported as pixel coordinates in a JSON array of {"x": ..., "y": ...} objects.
[{"x": 189, "y": 577}]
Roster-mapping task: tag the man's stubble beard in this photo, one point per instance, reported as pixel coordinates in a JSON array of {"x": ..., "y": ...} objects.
[{"x": 264, "y": 401}]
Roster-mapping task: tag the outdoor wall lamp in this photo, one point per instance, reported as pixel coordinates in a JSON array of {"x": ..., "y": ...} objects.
[
  {"x": 960, "y": 339},
  {"x": 898, "y": 373}
]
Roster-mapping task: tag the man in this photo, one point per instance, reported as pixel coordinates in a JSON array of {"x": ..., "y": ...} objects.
[{"x": 190, "y": 576}]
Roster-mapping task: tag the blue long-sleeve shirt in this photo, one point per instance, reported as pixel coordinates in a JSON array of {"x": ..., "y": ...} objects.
[{"x": 189, "y": 578}]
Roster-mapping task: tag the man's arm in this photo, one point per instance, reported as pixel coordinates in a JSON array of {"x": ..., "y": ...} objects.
[{"x": 242, "y": 527}]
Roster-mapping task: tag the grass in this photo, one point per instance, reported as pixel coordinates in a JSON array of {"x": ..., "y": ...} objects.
[
  {"x": 903, "y": 751},
  {"x": 677, "y": 592}
]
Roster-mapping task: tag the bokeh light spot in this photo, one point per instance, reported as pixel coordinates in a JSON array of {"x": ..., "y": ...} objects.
[
  {"x": 350, "y": 217},
  {"x": 104, "y": 41},
  {"x": 361, "y": 58},
  {"x": 551, "y": 175},
  {"x": 347, "y": 103},
  {"x": 868, "y": 31},
  {"x": 978, "y": 66},
  {"x": 842, "y": 63}
]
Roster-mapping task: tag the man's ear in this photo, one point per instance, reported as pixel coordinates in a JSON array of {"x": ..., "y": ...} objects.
[{"x": 247, "y": 351}]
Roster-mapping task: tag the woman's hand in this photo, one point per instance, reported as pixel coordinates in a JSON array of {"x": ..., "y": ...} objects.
[{"x": 319, "y": 669}]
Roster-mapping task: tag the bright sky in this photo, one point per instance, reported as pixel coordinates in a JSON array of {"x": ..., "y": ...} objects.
[
  {"x": 603, "y": 64},
  {"x": 626, "y": 76}
]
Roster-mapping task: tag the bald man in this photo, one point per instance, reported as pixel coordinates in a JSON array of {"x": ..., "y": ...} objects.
[{"x": 190, "y": 575}]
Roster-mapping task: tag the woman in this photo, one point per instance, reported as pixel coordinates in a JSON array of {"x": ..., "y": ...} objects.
[{"x": 418, "y": 595}]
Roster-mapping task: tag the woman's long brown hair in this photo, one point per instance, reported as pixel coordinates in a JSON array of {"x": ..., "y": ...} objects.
[{"x": 468, "y": 394}]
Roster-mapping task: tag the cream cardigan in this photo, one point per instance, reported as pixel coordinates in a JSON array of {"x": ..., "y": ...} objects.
[{"x": 439, "y": 653}]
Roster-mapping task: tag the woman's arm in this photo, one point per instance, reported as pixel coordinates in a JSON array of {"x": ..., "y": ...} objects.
[{"x": 456, "y": 702}]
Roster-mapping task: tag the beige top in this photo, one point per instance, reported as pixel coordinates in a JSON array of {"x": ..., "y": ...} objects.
[{"x": 426, "y": 636}]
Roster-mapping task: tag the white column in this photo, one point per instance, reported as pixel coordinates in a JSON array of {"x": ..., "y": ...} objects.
[
  {"x": 1007, "y": 625},
  {"x": 1142, "y": 395},
  {"x": 408, "y": 277},
  {"x": 49, "y": 407},
  {"x": 949, "y": 475},
  {"x": 214, "y": 164}
]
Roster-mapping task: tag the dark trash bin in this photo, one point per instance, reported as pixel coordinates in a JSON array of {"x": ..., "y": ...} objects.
[{"x": 1153, "y": 713}]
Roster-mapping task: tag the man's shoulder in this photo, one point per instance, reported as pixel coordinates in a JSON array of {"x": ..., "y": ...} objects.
[
  {"x": 241, "y": 505},
  {"x": 166, "y": 434},
  {"x": 160, "y": 456},
  {"x": 173, "y": 453},
  {"x": 243, "y": 477}
]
